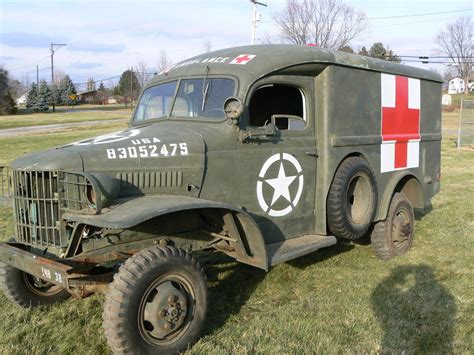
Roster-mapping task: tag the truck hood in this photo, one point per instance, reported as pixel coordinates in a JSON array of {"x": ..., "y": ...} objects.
[
  {"x": 153, "y": 147},
  {"x": 148, "y": 147}
]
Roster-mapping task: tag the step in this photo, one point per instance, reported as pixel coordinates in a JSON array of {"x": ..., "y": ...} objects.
[{"x": 290, "y": 249}]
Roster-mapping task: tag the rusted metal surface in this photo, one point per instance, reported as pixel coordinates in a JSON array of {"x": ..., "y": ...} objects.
[
  {"x": 5, "y": 186},
  {"x": 42, "y": 268}
]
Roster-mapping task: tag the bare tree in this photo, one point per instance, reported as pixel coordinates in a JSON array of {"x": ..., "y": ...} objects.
[
  {"x": 207, "y": 46},
  {"x": 142, "y": 72},
  {"x": 164, "y": 62},
  {"x": 456, "y": 43},
  {"x": 327, "y": 23},
  {"x": 58, "y": 76}
]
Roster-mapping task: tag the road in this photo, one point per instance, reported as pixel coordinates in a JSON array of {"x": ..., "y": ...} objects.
[{"x": 9, "y": 132}]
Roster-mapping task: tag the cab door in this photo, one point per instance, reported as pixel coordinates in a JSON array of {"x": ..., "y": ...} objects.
[{"x": 277, "y": 172}]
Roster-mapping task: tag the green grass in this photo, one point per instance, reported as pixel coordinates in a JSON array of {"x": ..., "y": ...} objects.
[
  {"x": 81, "y": 113},
  {"x": 456, "y": 98},
  {"x": 338, "y": 300},
  {"x": 12, "y": 147}
]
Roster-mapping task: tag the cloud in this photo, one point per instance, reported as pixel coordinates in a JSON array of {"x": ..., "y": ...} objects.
[
  {"x": 86, "y": 65},
  {"x": 96, "y": 47},
  {"x": 6, "y": 58},
  {"x": 25, "y": 39}
]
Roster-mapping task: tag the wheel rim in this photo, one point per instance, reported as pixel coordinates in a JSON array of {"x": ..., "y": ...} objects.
[
  {"x": 358, "y": 198},
  {"x": 402, "y": 229},
  {"x": 40, "y": 287},
  {"x": 166, "y": 309}
]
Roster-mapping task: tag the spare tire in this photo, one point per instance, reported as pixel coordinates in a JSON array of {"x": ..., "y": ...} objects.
[{"x": 352, "y": 199}]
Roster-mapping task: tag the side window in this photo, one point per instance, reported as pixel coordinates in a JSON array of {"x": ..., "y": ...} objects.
[{"x": 282, "y": 102}]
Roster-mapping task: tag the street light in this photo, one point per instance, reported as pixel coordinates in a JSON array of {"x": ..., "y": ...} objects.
[{"x": 255, "y": 17}]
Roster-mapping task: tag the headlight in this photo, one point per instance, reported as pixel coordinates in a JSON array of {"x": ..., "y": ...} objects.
[{"x": 91, "y": 194}]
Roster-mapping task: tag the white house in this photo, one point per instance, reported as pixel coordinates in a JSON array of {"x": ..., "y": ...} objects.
[
  {"x": 21, "y": 100},
  {"x": 456, "y": 86}
]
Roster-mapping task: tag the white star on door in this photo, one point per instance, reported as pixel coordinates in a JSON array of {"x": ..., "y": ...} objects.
[{"x": 281, "y": 185}]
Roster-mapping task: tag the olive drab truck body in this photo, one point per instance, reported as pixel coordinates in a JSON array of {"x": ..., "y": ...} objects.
[{"x": 265, "y": 153}]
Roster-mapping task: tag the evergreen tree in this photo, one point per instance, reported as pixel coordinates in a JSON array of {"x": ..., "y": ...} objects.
[
  {"x": 32, "y": 98},
  {"x": 364, "y": 52},
  {"x": 67, "y": 91},
  {"x": 129, "y": 86},
  {"x": 44, "y": 96},
  {"x": 347, "y": 49},
  {"x": 102, "y": 92},
  {"x": 378, "y": 51},
  {"x": 7, "y": 104},
  {"x": 56, "y": 94},
  {"x": 101, "y": 87}
]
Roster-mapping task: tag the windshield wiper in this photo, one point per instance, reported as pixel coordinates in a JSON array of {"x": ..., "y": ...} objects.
[
  {"x": 204, "y": 96},
  {"x": 205, "y": 89}
]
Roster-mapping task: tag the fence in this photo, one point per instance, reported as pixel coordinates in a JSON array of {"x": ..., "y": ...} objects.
[
  {"x": 466, "y": 124},
  {"x": 5, "y": 186}
]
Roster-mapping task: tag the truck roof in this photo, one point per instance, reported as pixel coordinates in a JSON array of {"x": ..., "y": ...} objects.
[{"x": 250, "y": 63}]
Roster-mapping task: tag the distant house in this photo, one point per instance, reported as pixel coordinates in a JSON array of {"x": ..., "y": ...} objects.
[
  {"x": 115, "y": 99},
  {"x": 21, "y": 101},
  {"x": 457, "y": 86},
  {"x": 88, "y": 97}
]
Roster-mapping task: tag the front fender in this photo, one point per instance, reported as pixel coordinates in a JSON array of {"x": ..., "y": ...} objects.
[{"x": 128, "y": 213}]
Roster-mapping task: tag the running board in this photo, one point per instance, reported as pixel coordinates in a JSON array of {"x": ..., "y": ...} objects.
[{"x": 294, "y": 248}]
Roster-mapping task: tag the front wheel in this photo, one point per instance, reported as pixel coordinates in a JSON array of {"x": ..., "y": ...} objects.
[
  {"x": 156, "y": 304},
  {"x": 26, "y": 290},
  {"x": 394, "y": 235}
]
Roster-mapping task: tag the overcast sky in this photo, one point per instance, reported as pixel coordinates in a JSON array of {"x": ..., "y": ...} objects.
[{"x": 106, "y": 37}]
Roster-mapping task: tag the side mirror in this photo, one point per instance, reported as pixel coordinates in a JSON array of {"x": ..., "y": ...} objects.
[{"x": 233, "y": 108}]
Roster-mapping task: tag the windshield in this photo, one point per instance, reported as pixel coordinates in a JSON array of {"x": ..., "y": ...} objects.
[
  {"x": 155, "y": 102},
  {"x": 202, "y": 97}
]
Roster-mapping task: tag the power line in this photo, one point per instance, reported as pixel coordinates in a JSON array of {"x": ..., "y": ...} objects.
[
  {"x": 416, "y": 15},
  {"x": 403, "y": 16}
]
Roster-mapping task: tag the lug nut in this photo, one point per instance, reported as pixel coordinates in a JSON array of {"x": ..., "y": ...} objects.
[{"x": 164, "y": 313}]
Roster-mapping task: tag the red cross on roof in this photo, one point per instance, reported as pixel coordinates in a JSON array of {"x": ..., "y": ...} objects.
[{"x": 242, "y": 59}]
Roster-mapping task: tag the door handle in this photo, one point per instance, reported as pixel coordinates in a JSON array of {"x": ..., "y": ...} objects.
[{"x": 312, "y": 153}]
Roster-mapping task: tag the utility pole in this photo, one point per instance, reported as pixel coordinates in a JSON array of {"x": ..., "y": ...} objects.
[
  {"x": 52, "y": 72},
  {"x": 37, "y": 75},
  {"x": 256, "y": 17},
  {"x": 131, "y": 88}
]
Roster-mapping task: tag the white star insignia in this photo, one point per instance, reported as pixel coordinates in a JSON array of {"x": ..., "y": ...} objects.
[{"x": 281, "y": 185}]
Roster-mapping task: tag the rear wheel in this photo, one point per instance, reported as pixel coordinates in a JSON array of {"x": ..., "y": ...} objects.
[
  {"x": 394, "y": 236},
  {"x": 157, "y": 303},
  {"x": 352, "y": 199},
  {"x": 26, "y": 290}
]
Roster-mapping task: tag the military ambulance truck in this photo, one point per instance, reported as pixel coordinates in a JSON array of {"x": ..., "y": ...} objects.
[{"x": 264, "y": 153}]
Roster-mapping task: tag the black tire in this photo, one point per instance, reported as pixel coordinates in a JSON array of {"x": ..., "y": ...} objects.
[
  {"x": 160, "y": 292},
  {"x": 352, "y": 199},
  {"x": 394, "y": 235},
  {"x": 25, "y": 290}
]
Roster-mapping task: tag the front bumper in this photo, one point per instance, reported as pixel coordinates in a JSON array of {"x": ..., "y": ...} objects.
[{"x": 45, "y": 269}]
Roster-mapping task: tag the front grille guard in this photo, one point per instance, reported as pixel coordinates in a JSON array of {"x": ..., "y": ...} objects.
[
  {"x": 6, "y": 189},
  {"x": 36, "y": 208},
  {"x": 40, "y": 198}
]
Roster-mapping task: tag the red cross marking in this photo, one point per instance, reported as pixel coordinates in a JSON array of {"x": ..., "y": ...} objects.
[
  {"x": 243, "y": 58},
  {"x": 400, "y": 123}
]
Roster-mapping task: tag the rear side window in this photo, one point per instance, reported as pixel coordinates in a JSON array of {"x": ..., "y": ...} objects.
[
  {"x": 279, "y": 100},
  {"x": 155, "y": 102}
]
